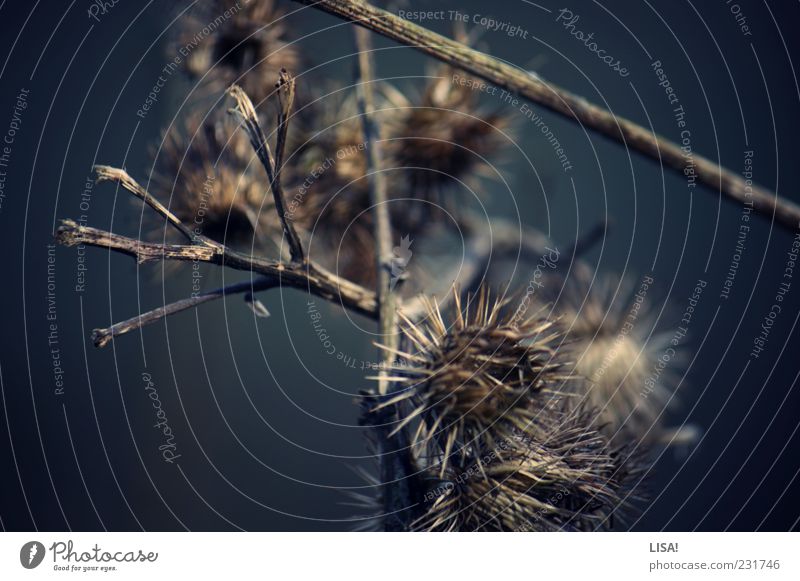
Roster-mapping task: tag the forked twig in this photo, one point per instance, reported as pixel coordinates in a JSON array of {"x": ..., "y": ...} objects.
[
  {"x": 245, "y": 110},
  {"x": 301, "y": 275},
  {"x": 312, "y": 277}
]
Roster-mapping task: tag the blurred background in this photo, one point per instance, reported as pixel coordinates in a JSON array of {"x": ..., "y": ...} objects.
[{"x": 264, "y": 421}]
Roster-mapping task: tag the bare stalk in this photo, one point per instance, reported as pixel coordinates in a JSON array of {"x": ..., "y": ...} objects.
[
  {"x": 387, "y": 308},
  {"x": 101, "y": 337},
  {"x": 309, "y": 277},
  {"x": 245, "y": 110},
  {"x": 286, "y": 92},
  {"x": 561, "y": 101},
  {"x": 119, "y": 176}
]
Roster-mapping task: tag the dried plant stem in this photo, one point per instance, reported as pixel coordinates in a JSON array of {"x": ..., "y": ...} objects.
[
  {"x": 309, "y": 277},
  {"x": 101, "y": 337},
  {"x": 245, "y": 110},
  {"x": 70, "y": 234},
  {"x": 107, "y": 173},
  {"x": 387, "y": 308},
  {"x": 286, "y": 92},
  {"x": 561, "y": 101}
]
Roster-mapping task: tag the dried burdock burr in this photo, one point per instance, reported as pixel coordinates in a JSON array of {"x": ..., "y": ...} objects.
[
  {"x": 444, "y": 138},
  {"x": 248, "y": 46},
  {"x": 329, "y": 191},
  {"x": 562, "y": 476},
  {"x": 207, "y": 174},
  {"x": 612, "y": 342},
  {"x": 477, "y": 380}
]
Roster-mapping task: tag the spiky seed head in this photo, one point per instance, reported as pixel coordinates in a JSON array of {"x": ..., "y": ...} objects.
[
  {"x": 328, "y": 169},
  {"x": 474, "y": 380},
  {"x": 248, "y": 48},
  {"x": 611, "y": 339},
  {"x": 444, "y": 137},
  {"x": 561, "y": 478},
  {"x": 207, "y": 174}
]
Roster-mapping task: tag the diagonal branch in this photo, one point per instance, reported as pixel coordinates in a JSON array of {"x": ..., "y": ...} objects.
[
  {"x": 121, "y": 177},
  {"x": 588, "y": 240},
  {"x": 503, "y": 239},
  {"x": 245, "y": 110},
  {"x": 520, "y": 82},
  {"x": 101, "y": 337}
]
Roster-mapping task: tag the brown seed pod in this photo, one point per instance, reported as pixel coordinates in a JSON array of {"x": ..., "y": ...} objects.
[
  {"x": 230, "y": 41},
  {"x": 475, "y": 382},
  {"x": 207, "y": 174},
  {"x": 562, "y": 477},
  {"x": 444, "y": 137},
  {"x": 611, "y": 339},
  {"x": 328, "y": 129},
  {"x": 328, "y": 169},
  {"x": 328, "y": 185}
]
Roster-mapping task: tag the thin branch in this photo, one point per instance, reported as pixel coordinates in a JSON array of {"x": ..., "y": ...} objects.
[
  {"x": 121, "y": 177},
  {"x": 101, "y": 337},
  {"x": 561, "y": 101},
  {"x": 508, "y": 237},
  {"x": 71, "y": 234},
  {"x": 245, "y": 110},
  {"x": 387, "y": 309},
  {"x": 286, "y": 91},
  {"x": 310, "y": 277},
  {"x": 399, "y": 478}
]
